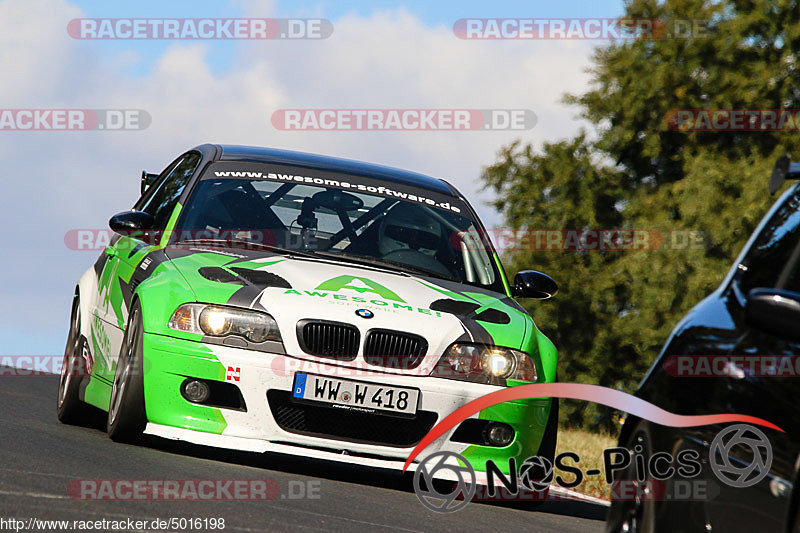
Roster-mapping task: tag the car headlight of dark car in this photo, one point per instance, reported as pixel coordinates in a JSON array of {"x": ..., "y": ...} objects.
[
  {"x": 483, "y": 363},
  {"x": 221, "y": 321}
]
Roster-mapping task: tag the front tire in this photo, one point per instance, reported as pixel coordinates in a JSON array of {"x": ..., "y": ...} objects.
[
  {"x": 547, "y": 448},
  {"x": 550, "y": 438},
  {"x": 127, "y": 417},
  {"x": 637, "y": 515},
  {"x": 70, "y": 408}
]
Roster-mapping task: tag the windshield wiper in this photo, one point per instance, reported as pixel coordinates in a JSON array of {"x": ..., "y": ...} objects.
[
  {"x": 389, "y": 265},
  {"x": 392, "y": 266},
  {"x": 230, "y": 243}
]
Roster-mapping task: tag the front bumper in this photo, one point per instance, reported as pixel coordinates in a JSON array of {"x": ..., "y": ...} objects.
[{"x": 263, "y": 377}]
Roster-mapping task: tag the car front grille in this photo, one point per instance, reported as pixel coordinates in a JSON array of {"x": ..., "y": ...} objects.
[
  {"x": 366, "y": 428},
  {"x": 333, "y": 340},
  {"x": 394, "y": 349}
]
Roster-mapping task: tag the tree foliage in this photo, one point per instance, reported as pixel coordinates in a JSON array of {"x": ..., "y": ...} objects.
[{"x": 616, "y": 308}]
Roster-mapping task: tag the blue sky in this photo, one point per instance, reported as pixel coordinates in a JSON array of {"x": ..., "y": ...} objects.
[
  {"x": 382, "y": 54},
  {"x": 429, "y": 11},
  {"x": 432, "y": 13}
]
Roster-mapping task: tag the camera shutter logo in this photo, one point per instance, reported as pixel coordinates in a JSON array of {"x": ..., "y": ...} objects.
[
  {"x": 536, "y": 473},
  {"x": 743, "y": 435},
  {"x": 438, "y": 463}
]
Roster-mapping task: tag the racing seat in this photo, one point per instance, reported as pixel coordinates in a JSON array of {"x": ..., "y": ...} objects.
[{"x": 234, "y": 210}]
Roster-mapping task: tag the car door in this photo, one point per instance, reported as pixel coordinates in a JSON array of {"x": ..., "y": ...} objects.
[
  {"x": 102, "y": 334},
  {"x": 161, "y": 202},
  {"x": 773, "y": 261},
  {"x": 126, "y": 252}
]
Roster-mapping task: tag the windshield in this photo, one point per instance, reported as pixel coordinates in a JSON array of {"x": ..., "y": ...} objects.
[{"x": 357, "y": 219}]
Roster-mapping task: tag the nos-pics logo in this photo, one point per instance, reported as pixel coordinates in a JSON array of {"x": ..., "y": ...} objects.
[
  {"x": 445, "y": 481},
  {"x": 535, "y": 474}
]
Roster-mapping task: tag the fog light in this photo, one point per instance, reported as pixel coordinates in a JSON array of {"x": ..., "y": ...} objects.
[
  {"x": 498, "y": 434},
  {"x": 195, "y": 391}
]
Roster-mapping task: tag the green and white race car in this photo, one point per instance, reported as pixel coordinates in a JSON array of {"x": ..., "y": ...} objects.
[{"x": 267, "y": 300}]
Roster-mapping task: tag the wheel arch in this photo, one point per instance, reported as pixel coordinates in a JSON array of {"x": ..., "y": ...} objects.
[
  {"x": 791, "y": 524},
  {"x": 159, "y": 295},
  {"x": 85, "y": 290}
]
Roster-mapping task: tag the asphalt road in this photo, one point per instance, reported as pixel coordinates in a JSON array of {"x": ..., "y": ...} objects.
[{"x": 39, "y": 457}]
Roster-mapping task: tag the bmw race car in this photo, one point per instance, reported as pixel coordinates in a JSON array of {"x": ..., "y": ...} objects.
[{"x": 267, "y": 300}]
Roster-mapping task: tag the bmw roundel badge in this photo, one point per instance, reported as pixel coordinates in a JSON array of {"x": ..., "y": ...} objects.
[{"x": 365, "y": 313}]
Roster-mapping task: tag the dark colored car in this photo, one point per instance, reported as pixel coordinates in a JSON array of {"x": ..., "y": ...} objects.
[{"x": 747, "y": 334}]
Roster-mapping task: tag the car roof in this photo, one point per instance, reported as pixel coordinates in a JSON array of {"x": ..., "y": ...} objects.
[{"x": 334, "y": 164}]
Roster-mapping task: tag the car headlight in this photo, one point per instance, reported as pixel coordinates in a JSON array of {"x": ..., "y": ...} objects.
[
  {"x": 219, "y": 321},
  {"x": 483, "y": 363}
]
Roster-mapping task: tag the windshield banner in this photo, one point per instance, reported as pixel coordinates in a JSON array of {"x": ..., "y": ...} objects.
[{"x": 347, "y": 182}]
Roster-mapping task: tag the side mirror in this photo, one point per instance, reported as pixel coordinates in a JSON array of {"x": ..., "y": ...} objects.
[
  {"x": 129, "y": 221},
  {"x": 774, "y": 311},
  {"x": 532, "y": 284},
  {"x": 147, "y": 180}
]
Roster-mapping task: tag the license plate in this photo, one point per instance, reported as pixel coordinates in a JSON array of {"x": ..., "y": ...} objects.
[{"x": 357, "y": 396}]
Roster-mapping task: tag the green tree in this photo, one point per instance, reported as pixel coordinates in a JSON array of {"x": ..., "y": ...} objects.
[{"x": 616, "y": 308}]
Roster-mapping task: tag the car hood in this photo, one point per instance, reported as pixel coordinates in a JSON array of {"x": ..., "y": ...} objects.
[{"x": 293, "y": 289}]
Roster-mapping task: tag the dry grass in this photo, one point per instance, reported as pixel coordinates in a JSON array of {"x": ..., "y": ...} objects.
[{"x": 589, "y": 447}]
